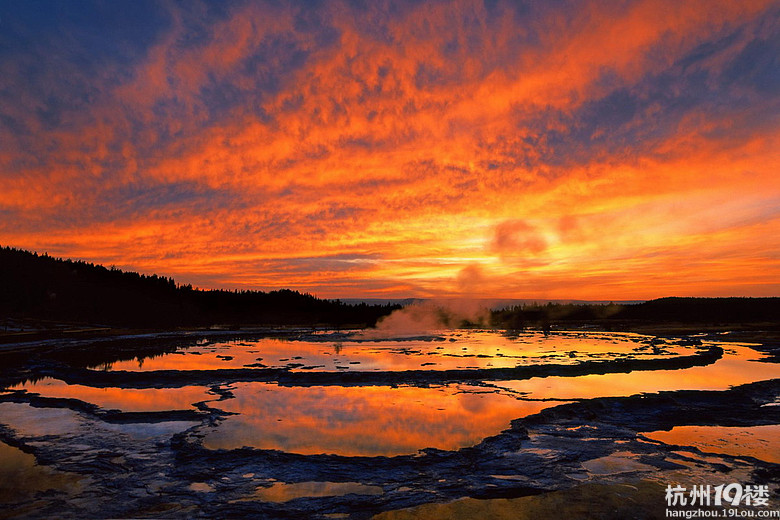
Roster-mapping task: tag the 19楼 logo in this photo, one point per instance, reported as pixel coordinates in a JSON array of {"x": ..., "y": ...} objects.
[
  {"x": 726, "y": 494},
  {"x": 736, "y": 501}
]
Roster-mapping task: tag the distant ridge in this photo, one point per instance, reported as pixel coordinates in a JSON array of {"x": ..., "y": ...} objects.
[
  {"x": 727, "y": 310},
  {"x": 381, "y": 301},
  {"x": 491, "y": 303},
  {"x": 663, "y": 310},
  {"x": 41, "y": 287}
]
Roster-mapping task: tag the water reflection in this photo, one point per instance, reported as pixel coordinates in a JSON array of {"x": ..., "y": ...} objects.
[
  {"x": 363, "y": 420},
  {"x": 283, "y": 492},
  {"x": 402, "y": 420},
  {"x": 40, "y": 422},
  {"x": 125, "y": 399},
  {"x": 618, "y": 462},
  {"x": 201, "y": 487},
  {"x": 21, "y": 478},
  {"x": 761, "y": 442},
  {"x": 447, "y": 350},
  {"x": 738, "y": 366},
  {"x": 584, "y": 501}
]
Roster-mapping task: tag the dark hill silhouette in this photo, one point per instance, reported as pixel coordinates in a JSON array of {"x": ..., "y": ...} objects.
[
  {"x": 41, "y": 287},
  {"x": 705, "y": 310},
  {"x": 710, "y": 311}
]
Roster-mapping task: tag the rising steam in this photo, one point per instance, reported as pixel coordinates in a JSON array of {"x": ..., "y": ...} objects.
[{"x": 428, "y": 317}]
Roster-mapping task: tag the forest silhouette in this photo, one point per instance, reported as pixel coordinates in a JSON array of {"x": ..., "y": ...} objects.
[
  {"x": 41, "y": 287},
  {"x": 672, "y": 310}
]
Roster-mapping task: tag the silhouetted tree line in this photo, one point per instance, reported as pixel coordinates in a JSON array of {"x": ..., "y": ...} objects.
[
  {"x": 47, "y": 288},
  {"x": 662, "y": 310}
]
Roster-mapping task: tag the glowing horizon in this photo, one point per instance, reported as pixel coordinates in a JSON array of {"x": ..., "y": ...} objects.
[{"x": 571, "y": 150}]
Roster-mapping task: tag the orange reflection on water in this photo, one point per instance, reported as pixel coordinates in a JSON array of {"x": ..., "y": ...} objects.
[
  {"x": 126, "y": 399},
  {"x": 207, "y": 357},
  {"x": 367, "y": 421},
  {"x": 21, "y": 478},
  {"x": 283, "y": 492},
  {"x": 447, "y": 350},
  {"x": 738, "y": 366},
  {"x": 761, "y": 442},
  {"x": 590, "y": 500}
]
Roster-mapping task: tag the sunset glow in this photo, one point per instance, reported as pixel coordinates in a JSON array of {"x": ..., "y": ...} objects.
[{"x": 590, "y": 150}]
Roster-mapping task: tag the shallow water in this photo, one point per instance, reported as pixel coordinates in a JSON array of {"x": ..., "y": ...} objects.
[
  {"x": 761, "y": 442},
  {"x": 739, "y": 365},
  {"x": 125, "y": 399},
  {"x": 45, "y": 423},
  {"x": 282, "y": 492},
  {"x": 366, "y": 421},
  {"x": 616, "y": 501},
  {"x": 442, "y": 351},
  {"x": 293, "y": 428},
  {"x": 403, "y": 419},
  {"x": 21, "y": 476}
]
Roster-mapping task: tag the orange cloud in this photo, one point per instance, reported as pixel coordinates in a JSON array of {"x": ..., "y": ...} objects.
[{"x": 580, "y": 151}]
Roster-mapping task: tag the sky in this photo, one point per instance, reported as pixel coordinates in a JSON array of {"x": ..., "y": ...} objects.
[{"x": 602, "y": 150}]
